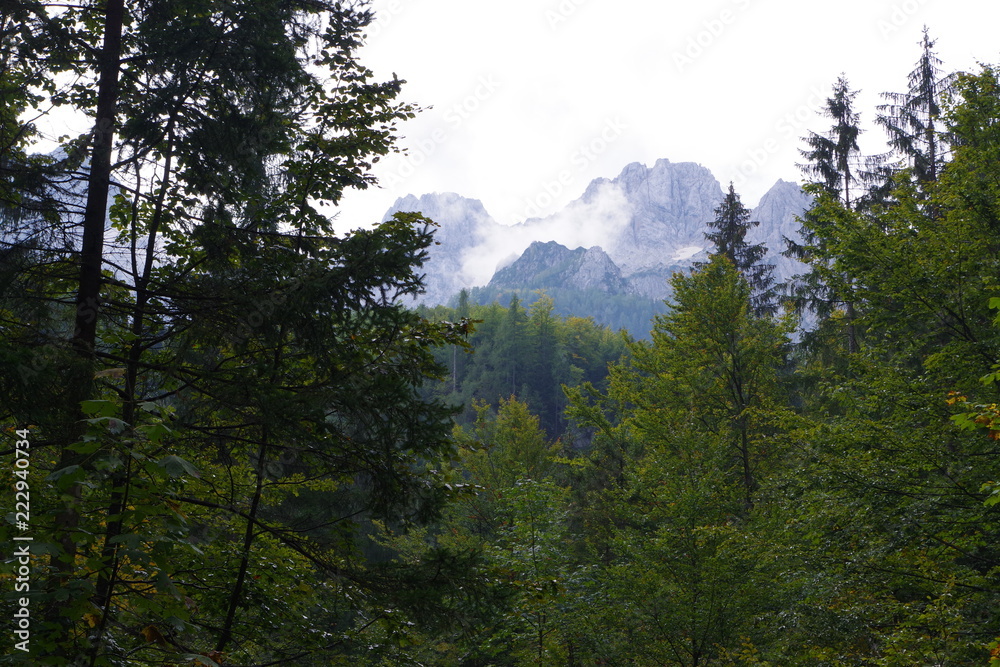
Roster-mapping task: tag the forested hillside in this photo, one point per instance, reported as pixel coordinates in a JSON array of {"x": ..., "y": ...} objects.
[
  {"x": 230, "y": 443},
  {"x": 528, "y": 353}
]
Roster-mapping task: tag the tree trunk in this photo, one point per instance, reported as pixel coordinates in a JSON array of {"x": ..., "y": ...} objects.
[
  {"x": 84, "y": 335},
  {"x": 98, "y": 184}
]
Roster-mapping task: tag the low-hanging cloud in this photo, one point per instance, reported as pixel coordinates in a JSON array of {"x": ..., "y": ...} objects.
[{"x": 596, "y": 219}]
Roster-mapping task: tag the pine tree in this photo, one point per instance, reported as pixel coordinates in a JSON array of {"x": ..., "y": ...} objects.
[
  {"x": 838, "y": 179},
  {"x": 510, "y": 347},
  {"x": 731, "y": 224}
]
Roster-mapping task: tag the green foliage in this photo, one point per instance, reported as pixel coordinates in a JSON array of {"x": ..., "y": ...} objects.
[
  {"x": 208, "y": 461},
  {"x": 731, "y": 224},
  {"x": 687, "y": 439},
  {"x": 528, "y": 354},
  {"x": 889, "y": 493},
  {"x": 514, "y": 516},
  {"x": 256, "y": 462},
  {"x": 630, "y": 312}
]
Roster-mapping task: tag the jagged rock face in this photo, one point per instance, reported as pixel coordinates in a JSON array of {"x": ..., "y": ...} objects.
[
  {"x": 671, "y": 202},
  {"x": 778, "y": 213},
  {"x": 463, "y": 224},
  {"x": 463, "y": 221},
  {"x": 661, "y": 216},
  {"x": 551, "y": 264},
  {"x": 597, "y": 271},
  {"x": 650, "y": 222}
]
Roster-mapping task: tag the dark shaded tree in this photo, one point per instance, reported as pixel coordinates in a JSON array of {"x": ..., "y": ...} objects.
[
  {"x": 220, "y": 343},
  {"x": 913, "y": 120},
  {"x": 731, "y": 224}
]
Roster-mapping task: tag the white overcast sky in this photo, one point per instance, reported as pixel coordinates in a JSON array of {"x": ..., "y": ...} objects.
[{"x": 531, "y": 99}]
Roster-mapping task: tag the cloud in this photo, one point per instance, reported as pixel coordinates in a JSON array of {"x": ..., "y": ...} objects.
[{"x": 596, "y": 219}]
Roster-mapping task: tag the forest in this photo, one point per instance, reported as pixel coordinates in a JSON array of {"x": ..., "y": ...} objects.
[{"x": 227, "y": 442}]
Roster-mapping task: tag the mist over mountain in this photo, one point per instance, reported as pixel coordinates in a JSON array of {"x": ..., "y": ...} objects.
[
  {"x": 464, "y": 229},
  {"x": 623, "y": 236}
]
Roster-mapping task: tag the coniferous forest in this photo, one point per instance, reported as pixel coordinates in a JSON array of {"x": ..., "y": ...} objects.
[{"x": 226, "y": 441}]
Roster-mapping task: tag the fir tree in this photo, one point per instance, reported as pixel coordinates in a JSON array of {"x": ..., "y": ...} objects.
[
  {"x": 912, "y": 119},
  {"x": 837, "y": 178}
]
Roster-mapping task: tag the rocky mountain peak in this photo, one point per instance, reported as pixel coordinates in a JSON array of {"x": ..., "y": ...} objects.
[
  {"x": 461, "y": 219},
  {"x": 550, "y": 264},
  {"x": 463, "y": 224},
  {"x": 630, "y": 233},
  {"x": 669, "y": 204}
]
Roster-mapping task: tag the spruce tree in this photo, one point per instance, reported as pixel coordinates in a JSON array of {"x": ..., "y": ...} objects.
[
  {"x": 731, "y": 224},
  {"x": 833, "y": 159},
  {"x": 913, "y": 121},
  {"x": 837, "y": 178}
]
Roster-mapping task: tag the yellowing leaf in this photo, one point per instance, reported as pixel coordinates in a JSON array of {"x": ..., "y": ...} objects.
[{"x": 152, "y": 635}]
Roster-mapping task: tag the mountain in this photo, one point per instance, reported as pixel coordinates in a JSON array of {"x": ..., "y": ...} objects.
[
  {"x": 777, "y": 213},
  {"x": 551, "y": 265},
  {"x": 463, "y": 225},
  {"x": 623, "y": 236},
  {"x": 669, "y": 206}
]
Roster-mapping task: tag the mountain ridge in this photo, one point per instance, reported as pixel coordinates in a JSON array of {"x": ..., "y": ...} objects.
[{"x": 623, "y": 235}]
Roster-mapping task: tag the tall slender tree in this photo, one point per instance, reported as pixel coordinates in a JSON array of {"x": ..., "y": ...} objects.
[
  {"x": 833, "y": 159},
  {"x": 913, "y": 120},
  {"x": 836, "y": 176}
]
